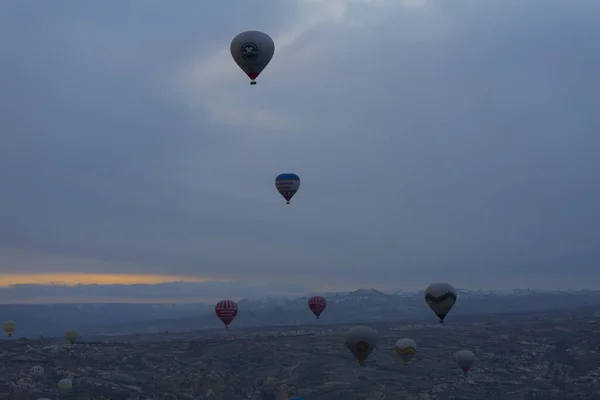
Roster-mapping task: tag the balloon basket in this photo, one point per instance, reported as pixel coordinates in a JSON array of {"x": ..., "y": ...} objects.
[{"x": 253, "y": 82}]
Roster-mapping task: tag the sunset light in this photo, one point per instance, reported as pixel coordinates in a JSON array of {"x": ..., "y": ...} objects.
[{"x": 100, "y": 279}]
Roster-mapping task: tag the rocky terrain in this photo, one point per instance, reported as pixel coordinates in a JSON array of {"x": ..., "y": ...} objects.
[{"x": 550, "y": 356}]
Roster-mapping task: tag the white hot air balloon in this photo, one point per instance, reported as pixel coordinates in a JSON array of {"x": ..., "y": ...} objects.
[
  {"x": 465, "y": 359},
  {"x": 406, "y": 349},
  {"x": 252, "y": 51},
  {"x": 37, "y": 370},
  {"x": 361, "y": 341},
  {"x": 440, "y": 297}
]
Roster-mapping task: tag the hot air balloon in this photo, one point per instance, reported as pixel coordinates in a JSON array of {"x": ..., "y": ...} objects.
[
  {"x": 440, "y": 297},
  {"x": 226, "y": 310},
  {"x": 317, "y": 305},
  {"x": 361, "y": 341},
  {"x": 465, "y": 359},
  {"x": 287, "y": 185},
  {"x": 252, "y": 51},
  {"x": 406, "y": 349},
  {"x": 65, "y": 385},
  {"x": 37, "y": 370},
  {"x": 9, "y": 327},
  {"x": 72, "y": 335}
]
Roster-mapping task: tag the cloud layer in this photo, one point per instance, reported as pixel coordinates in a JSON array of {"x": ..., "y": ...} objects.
[
  {"x": 168, "y": 292},
  {"x": 435, "y": 140}
]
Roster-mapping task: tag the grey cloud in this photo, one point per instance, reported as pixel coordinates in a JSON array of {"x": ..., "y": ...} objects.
[
  {"x": 457, "y": 144},
  {"x": 169, "y": 291}
]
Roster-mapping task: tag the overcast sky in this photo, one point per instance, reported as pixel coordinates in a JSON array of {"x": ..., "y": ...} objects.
[{"x": 436, "y": 141}]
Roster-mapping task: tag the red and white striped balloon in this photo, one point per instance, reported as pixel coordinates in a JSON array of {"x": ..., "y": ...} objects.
[
  {"x": 226, "y": 310},
  {"x": 317, "y": 305}
]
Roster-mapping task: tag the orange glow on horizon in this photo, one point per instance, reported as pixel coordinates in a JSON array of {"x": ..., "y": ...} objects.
[
  {"x": 72, "y": 279},
  {"x": 109, "y": 300}
]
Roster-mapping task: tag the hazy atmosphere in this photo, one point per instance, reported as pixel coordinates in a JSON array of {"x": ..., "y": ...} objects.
[{"x": 436, "y": 141}]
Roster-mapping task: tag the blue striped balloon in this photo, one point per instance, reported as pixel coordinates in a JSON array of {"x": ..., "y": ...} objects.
[{"x": 287, "y": 185}]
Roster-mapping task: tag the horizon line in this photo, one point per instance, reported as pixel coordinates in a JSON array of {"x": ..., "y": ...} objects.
[{"x": 73, "y": 300}]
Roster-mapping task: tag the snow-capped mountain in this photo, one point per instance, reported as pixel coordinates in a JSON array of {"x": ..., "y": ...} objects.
[
  {"x": 359, "y": 306},
  {"x": 373, "y": 296},
  {"x": 364, "y": 305},
  {"x": 520, "y": 292},
  {"x": 372, "y": 303},
  {"x": 361, "y": 295}
]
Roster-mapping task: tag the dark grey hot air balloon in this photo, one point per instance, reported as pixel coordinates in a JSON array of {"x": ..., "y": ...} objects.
[
  {"x": 361, "y": 341},
  {"x": 465, "y": 359},
  {"x": 252, "y": 51},
  {"x": 440, "y": 297},
  {"x": 287, "y": 185}
]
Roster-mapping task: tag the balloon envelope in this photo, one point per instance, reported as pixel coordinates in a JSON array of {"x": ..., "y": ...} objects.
[
  {"x": 317, "y": 305},
  {"x": 464, "y": 359},
  {"x": 440, "y": 297},
  {"x": 65, "y": 385},
  {"x": 406, "y": 349},
  {"x": 37, "y": 370},
  {"x": 226, "y": 310},
  {"x": 361, "y": 341},
  {"x": 9, "y": 327},
  {"x": 72, "y": 335},
  {"x": 287, "y": 185},
  {"x": 252, "y": 51}
]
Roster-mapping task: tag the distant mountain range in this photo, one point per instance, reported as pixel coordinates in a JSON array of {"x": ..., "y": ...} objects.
[{"x": 362, "y": 305}]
